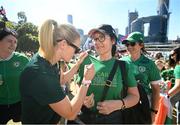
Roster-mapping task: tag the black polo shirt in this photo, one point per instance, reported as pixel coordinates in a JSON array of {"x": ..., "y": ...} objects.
[{"x": 39, "y": 87}]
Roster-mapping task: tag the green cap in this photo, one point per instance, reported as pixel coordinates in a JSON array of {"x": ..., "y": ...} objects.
[{"x": 134, "y": 37}]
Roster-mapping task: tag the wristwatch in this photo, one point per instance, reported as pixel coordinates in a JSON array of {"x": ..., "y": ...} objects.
[
  {"x": 154, "y": 111},
  {"x": 86, "y": 82},
  {"x": 123, "y": 105}
]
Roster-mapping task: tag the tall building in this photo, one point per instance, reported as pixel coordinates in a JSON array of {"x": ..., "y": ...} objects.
[
  {"x": 70, "y": 19},
  {"x": 157, "y": 24}
]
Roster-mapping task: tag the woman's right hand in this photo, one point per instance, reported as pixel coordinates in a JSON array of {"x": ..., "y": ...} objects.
[{"x": 89, "y": 72}]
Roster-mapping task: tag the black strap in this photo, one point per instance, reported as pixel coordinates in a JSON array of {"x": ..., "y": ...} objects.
[
  {"x": 122, "y": 66},
  {"x": 109, "y": 81}
]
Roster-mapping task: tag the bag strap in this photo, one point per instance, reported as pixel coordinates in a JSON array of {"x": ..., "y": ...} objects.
[
  {"x": 122, "y": 66},
  {"x": 109, "y": 81}
]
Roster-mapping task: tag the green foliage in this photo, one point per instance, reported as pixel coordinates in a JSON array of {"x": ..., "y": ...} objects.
[
  {"x": 27, "y": 37},
  {"x": 10, "y": 25},
  {"x": 27, "y": 33}
]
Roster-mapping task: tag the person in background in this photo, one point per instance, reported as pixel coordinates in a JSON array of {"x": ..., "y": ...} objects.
[
  {"x": 43, "y": 98},
  {"x": 11, "y": 65},
  {"x": 104, "y": 39},
  {"x": 174, "y": 92},
  {"x": 159, "y": 55},
  {"x": 145, "y": 70},
  {"x": 160, "y": 64}
]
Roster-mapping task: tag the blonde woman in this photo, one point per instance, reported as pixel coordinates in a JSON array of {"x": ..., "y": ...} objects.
[{"x": 43, "y": 99}]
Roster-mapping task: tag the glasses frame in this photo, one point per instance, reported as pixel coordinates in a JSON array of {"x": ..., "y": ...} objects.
[
  {"x": 76, "y": 48},
  {"x": 101, "y": 38}
]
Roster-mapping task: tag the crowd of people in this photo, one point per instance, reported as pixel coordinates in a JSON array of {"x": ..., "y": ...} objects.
[{"x": 34, "y": 87}]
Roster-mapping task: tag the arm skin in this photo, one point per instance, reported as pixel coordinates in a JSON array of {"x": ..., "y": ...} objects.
[
  {"x": 108, "y": 106},
  {"x": 155, "y": 98},
  {"x": 69, "y": 109},
  {"x": 67, "y": 76},
  {"x": 175, "y": 89}
]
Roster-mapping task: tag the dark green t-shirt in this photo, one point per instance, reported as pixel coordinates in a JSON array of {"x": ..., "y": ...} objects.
[
  {"x": 10, "y": 70},
  {"x": 102, "y": 70},
  {"x": 145, "y": 71},
  {"x": 39, "y": 87}
]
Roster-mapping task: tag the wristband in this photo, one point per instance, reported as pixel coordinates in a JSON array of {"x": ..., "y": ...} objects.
[
  {"x": 123, "y": 105},
  {"x": 86, "y": 82},
  {"x": 154, "y": 111}
]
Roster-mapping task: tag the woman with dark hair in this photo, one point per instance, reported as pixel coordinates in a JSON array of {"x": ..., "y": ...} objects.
[
  {"x": 175, "y": 90},
  {"x": 11, "y": 65},
  {"x": 104, "y": 39},
  {"x": 145, "y": 70}
]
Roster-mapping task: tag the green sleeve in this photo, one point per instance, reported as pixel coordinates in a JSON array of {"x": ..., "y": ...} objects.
[
  {"x": 154, "y": 72},
  {"x": 130, "y": 76}
]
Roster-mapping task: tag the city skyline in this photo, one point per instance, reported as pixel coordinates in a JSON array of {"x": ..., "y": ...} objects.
[{"x": 88, "y": 14}]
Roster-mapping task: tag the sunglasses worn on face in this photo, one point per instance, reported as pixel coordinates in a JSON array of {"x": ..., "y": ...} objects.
[
  {"x": 77, "y": 49},
  {"x": 131, "y": 44},
  {"x": 100, "y": 38}
]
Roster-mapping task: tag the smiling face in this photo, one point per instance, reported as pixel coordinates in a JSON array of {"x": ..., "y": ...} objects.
[
  {"x": 103, "y": 43},
  {"x": 7, "y": 45}
]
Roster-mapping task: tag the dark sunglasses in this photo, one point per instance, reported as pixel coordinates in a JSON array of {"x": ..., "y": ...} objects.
[
  {"x": 100, "y": 38},
  {"x": 77, "y": 49},
  {"x": 131, "y": 44}
]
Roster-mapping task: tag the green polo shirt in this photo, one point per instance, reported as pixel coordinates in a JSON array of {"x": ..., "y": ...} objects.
[
  {"x": 102, "y": 71},
  {"x": 10, "y": 70},
  {"x": 39, "y": 87},
  {"x": 145, "y": 71}
]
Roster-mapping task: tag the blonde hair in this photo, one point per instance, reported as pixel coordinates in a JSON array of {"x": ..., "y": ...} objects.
[{"x": 50, "y": 33}]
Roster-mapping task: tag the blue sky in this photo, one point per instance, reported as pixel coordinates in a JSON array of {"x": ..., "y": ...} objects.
[{"x": 88, "y": 14}]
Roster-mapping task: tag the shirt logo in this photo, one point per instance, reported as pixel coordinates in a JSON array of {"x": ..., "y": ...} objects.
[
  {"x": 16, "y": 64},
  {"x": 142, "y": 69}
]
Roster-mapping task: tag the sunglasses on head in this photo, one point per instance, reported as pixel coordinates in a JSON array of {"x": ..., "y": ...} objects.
[
  {"x": 131, "y": 44},
  {"x": 77, "y": 49}
]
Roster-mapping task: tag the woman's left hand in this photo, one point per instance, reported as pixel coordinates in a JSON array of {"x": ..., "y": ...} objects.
[{"x": 105, "y": 107}]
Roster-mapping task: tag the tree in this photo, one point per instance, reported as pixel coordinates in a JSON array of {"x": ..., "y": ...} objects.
[
  {"x": 27, "y": 37},
  {"x": 22, "y": 17}
]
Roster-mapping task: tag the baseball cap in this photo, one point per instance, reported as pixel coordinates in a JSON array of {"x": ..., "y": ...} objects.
[
  {"x": 134, "y": 37},
  {"x": 105, "y": 29}
]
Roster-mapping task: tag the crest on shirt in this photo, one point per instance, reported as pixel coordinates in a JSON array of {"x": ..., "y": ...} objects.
[
  {"x": 142, "y": 69},
  {"x": 16, "y": 64}
]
